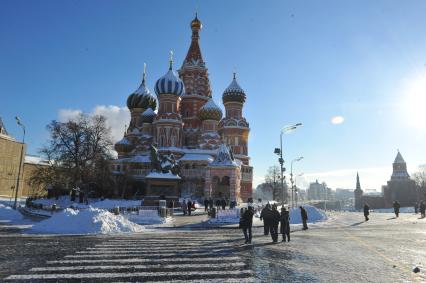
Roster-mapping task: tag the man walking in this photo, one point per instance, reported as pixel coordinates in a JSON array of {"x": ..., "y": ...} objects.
[
  {"x": 275, "y": 223},
  {"x": 206, "y": 205},
  {"x": 304, "y": 215},
  {"x": 184, "y": 207},
  {"x": 223, "y": 203},
  {"x": 246, "y": 223},
  {"x": 422, "y": 209},
  {"x": 264, "y": 213},
  {"x": 189, "y": 204},
  {"x": 366, "y": 212},
  {"x": 396, "y": 207},
  {"x": 285, "y": 223}
]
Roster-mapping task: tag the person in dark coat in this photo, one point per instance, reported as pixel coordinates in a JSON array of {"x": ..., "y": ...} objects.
[
  {"x": 304, "y": 215},
  {"x": 366, "y": 212},
  {"x": 206, "y": 205},
  {"x": 189, "y": 204},
  {"x": 217, "y": 204},
  {"x": 265, "y": 222},
  {"x": 285, "y": 224},
  {"x": 246, "y": 223},
  {"x": 210, "y": 203},
  {"x": 422, "y": 209},
  {"x": 396, "y": 207},
  {"x": 275, "y": 223},
  {"x": 223, "y": 204}
]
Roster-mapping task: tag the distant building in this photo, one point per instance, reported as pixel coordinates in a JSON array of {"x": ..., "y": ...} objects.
[
  {"x": 399, "y": 188},
  {"x": 10, "y": 153},
  {"x": 344, "y": 194},
  {"x": 317, "y": 191}
]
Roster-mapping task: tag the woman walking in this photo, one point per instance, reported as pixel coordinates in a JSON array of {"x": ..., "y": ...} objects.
[
  {"x": 246, "y": 223},
  {"x": 285, "y": 223}
]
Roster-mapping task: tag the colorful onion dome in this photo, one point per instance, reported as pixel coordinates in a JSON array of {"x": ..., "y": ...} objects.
[
  {"x": 148, "y": 116},
  {"x": 195, "y": 23},
  {"x": 170, "y": 83},
  {"x": 123, "y": 146},
  {"x": 234, "y": 93},
  {"x": 142, "y": 97},
  {"x": 210, "y": 111}
]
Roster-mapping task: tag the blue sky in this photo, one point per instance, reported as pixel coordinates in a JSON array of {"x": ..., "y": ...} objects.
[{"x": 299, "y": 61}]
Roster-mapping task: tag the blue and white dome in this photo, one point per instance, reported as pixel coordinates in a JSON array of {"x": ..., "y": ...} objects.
[{"x": 170, "y": 83}]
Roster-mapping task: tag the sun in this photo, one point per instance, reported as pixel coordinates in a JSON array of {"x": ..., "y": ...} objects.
[{"x": 414, "y": 101}]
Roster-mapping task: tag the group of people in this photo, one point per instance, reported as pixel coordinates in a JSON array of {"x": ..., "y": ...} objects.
[
  {"x": 219, "y": 203},
  {"x": 396, "y": 208},
  {"x": 187, "y": 207},
  {"x": 271, "y": 220}
]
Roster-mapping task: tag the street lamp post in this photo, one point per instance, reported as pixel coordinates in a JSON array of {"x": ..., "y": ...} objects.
[
  {"x": 291, "y": 179},
  {"x": 295, "y": 185},
  {"x": 18, "y": 121},
  {"x": 279, "y": 152}
]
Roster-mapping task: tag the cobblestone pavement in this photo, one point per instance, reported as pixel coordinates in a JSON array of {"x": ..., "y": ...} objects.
[{"x": 345, "y": 249}]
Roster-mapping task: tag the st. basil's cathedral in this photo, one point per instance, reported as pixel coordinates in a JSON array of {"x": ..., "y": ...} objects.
[{"x": 210, "y": 147}]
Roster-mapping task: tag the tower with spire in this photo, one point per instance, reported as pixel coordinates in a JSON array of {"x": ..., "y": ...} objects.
[
  {"x": 358, "y": 193},
  {"x": 197, "y": 86}
]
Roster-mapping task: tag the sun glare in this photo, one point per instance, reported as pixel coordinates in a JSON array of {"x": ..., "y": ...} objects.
[{"x": 414, "y": 101}]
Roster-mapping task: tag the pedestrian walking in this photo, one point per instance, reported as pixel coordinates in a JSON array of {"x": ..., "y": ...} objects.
[
  {"x": 217, "y": 204},
  {"x": 285, "y": 223},
  {"x": 366, "y": 212},
  {"x": 184, "y": 207},
  {"x": 189, "y": 205},
  {"x": 206, "y": 205},
  {"x": 396, "y": 207},
  {"x": 223, "y": 204},
  {"x": 246, "y": 223},
  {"x": 422, "y": 209},
  {"x": 416, "y": 208},
  {"x": 275, "y": 223},
  {"x": 265, "y": 222},
  {"x": 304, "y": 215}
]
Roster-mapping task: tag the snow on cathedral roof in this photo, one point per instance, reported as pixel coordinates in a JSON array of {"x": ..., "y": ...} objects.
[
  {"x": 196, "y": 157},
  {"x": 224, "y": 157}
]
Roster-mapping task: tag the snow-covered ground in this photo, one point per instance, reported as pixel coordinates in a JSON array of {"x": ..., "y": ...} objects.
[
  {"x": 146, "y": 217},
  {"x": 390, "y": 210},
  {"x": 11, "y": 216},
  {"x": 87, "y": 221},
  {"x": 229, "y": 216}
]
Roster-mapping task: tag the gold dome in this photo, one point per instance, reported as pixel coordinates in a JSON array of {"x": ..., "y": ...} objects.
[{"x": 195, "y": 23}]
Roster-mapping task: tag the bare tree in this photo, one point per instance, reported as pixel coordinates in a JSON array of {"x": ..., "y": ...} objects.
[
  {"x": 79, "y": 150},
  {"x": 420, "y": 177},
  {"x": 272, "y": 178}
]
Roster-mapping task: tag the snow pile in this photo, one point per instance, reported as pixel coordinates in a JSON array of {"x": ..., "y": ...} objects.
[
  {"x": 146, "y": 217},
  {"x": 390, "y": 210},
  {"x": 65, "y": 202},
  {"x": 230, "y": 216},
  {"x": 314, "y": 215},
  {"x": 10, "y": 215},
  {"x": 87, "y": 221}
]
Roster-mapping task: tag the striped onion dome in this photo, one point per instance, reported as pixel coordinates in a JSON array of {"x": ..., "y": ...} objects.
[
  {"x": 234, "y": 93},
  {"x": 210, "y": 111},
  {"x": 170, "y": 83},
  {"x": 148, "y": 116},
  {"x": 142, "y": 97},
  {"x": 123, "y": 146}
]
